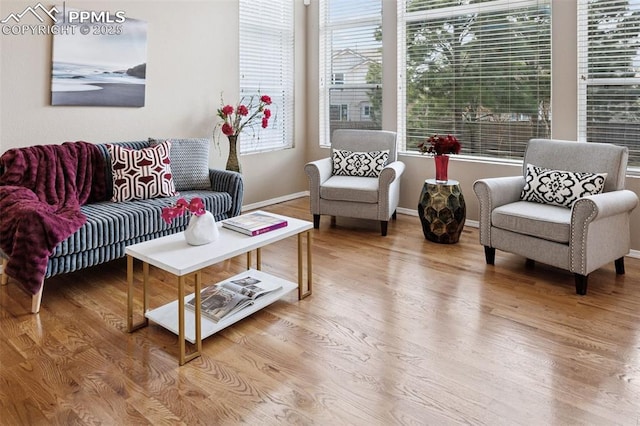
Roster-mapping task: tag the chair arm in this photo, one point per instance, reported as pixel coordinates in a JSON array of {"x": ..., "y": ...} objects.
[
  {"x": 603, "y": 205},
  {"x": 600, "y": 229},
  {"x": 318, "y": 172},
  {"x": 391, "y": 172},
  {"x": 389, "y": 189},
  {"x": 230, "y": 182},
  {"x": 492, "y": 193}
]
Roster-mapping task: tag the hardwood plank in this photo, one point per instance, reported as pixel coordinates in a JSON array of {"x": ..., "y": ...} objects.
[{"x": 399, "y": 330}]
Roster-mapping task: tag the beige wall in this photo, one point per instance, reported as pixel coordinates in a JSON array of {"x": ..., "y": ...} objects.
[{"x": 192, "y": 56}]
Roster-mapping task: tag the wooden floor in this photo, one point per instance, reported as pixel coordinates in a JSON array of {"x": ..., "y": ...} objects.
[{"x": 398, "y": 330}]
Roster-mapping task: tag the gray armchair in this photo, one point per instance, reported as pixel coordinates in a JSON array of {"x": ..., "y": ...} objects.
[
  {"x": 373, "y": 198},
  {"x": 580, "y": 237}
]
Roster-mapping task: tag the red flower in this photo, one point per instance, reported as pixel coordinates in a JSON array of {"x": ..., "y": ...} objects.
[
  {"x": 196, "y": 207},
  {"x": 227, "y": 110},
  {"x": 246, "y": 112},
  {"x": 227, "y": 129},
  {"x": 440, "y": 145},
  {"x": 266, "y": 99}
]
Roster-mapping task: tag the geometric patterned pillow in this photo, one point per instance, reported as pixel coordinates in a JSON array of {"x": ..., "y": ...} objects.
[
  {"x": 139, "y": 174},
  {"x": 559, "y": 187},
  {"x": 361, "y": 164},
  {"x": 189, "y": 162}
]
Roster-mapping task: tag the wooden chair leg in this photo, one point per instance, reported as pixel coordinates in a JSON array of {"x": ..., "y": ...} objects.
[
  {"x": 4, "y": 278},
  {"x": 581, "y": 284},
  {"x": 316, "y": 221},
  {"x": 36, "y": 299},
  {"x": 620, "y": 266}
]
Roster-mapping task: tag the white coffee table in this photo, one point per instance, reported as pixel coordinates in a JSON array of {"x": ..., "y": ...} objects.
[{"x": 174, "y": 255}]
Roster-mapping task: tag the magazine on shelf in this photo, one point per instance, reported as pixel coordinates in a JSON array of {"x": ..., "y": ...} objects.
[
  {"x": 228, "y": 297},
  {"x": 255, "y": 223}
]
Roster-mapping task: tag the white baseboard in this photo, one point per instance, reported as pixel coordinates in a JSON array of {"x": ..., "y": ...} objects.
[
  {"x": 277, "y": 200},
  {"x": 409, "y": 212}
]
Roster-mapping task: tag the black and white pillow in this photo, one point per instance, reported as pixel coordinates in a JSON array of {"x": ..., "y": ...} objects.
[
  {"x": 360, "y": 164},
  {"x": 560, "y": 188}
]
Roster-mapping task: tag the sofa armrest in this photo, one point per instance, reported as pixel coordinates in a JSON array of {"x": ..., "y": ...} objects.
[
  {"x": 230, "y": 182},
  {"x": 492, "y": 193},
  {"x": 600, "y": 229},
  {"x": 318, "y": 172}
]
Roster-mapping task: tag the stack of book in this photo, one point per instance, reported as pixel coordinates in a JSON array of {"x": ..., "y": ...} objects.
[{"x": 255, "y": 223}]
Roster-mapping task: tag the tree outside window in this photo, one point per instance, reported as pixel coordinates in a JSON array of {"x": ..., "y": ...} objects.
[{"x": 481, "y": 73}]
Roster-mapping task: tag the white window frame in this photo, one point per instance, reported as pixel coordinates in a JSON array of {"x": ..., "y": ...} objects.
[
  {"x": 266, "y": 50},
  {"x": 585, "y": 80},
  {"x": 328, "y": 80},
  {"x": 454, "y": 10}
]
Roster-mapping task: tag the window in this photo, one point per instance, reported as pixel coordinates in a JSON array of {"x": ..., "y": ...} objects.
[
  {"x": 266, "y": 67},
  {"x": 608, "y": 66},
  {"x": 339, "y": 112},
  {"x": 480, "y": 70},
  {"x": 350, "y": 65},
  {"x": 337, "y": 78},
  {"x": 366, "y": 112}
]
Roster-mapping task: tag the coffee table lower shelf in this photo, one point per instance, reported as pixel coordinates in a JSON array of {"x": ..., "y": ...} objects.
[{"x": 167, "y": 315}]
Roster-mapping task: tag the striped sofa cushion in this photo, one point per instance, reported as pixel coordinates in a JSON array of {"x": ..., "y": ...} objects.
[{"x": 110, "y": 223}]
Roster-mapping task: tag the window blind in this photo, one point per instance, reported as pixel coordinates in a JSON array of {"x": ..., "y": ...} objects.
[
  {"x": 351, "y": 65},
  {"x": 480, "y": 70},
  {"x": 267, "y": 68},
  {"x": 608, "y": 65}
]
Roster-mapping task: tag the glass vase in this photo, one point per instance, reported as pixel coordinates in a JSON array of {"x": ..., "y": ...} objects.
[{"x": 442, "y": 168}]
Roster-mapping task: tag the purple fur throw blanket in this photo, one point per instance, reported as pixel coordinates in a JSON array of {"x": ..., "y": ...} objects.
[{"x": 41, "y": 191}]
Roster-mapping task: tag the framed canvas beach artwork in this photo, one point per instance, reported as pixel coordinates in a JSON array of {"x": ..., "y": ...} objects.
[{"x": 99, "y": 64}]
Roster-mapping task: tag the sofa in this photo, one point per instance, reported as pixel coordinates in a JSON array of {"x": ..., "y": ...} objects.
[{"x": 98, "y": 193}]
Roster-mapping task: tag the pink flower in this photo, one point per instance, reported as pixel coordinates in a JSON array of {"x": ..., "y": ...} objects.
[
  {"x": 267, "y": 113},
  {"x": 266, "y": 99},
  {"x": 196, "y": 207},
  {"x": 265, "y": 122}
]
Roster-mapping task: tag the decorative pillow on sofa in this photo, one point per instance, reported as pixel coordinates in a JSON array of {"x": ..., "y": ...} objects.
[
  {"x": 559, "y": 187},
  {"x": 189, "y": 162},
  {"x": 139, "y": 174},
  {"x": 361, "y": 164}
]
